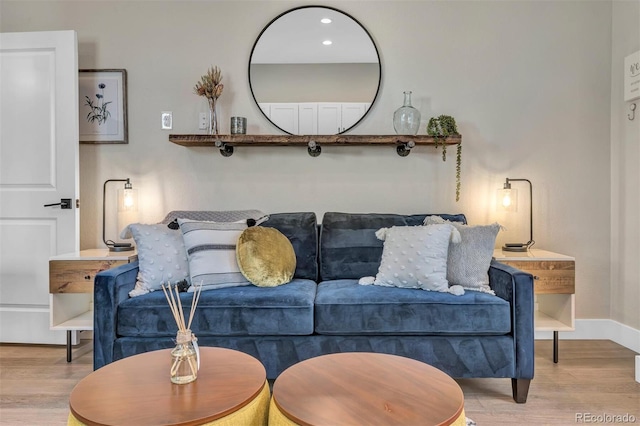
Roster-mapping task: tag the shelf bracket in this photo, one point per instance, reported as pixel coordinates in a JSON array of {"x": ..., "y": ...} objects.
[
  {"x": 314, "y": 149},
  {"x": 405, "y": 148},
  {"x": 225, "y": 150}
]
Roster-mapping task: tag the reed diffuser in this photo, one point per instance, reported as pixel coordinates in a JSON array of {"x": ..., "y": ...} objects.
[{"x": 185, "y": 360}]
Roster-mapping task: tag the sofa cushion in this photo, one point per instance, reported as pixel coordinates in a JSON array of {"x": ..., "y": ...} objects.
[
  {"x": 265, "y": 256},
  {"x": 415, "y": 257},
  {"x": 161, "y": 255},
  {"x": 232, "y": 311},
  {"x": 468, "y": 262},
  {"x": 343, "y": 307},
  {"x": 211, "y": 249},
  {"x": 302, "y": 230},
  {"x": 349, "y": 248}
]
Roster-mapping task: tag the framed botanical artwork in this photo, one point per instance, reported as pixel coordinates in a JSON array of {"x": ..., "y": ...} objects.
[{"x": 103, "y": 106}]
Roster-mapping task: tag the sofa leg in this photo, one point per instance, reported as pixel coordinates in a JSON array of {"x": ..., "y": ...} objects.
[{"x": 520, "y": 389}]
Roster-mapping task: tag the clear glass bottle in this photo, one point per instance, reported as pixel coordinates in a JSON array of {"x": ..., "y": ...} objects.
[
  {"x": 406, "y": 119},
  {"x": 213, "y": 117},
  {"x": 184, "y": 359}
]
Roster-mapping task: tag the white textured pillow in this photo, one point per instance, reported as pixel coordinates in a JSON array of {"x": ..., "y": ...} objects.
[
  {"x": 161, "y": 257},
  {"x": 469, "y": 261},
  {"x": 415, "y": 257},
  {"x": 211, "y": 249}
]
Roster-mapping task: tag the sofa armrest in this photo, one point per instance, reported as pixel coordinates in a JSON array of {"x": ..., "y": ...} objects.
[
  {"x": 111, "y": 287},
  {"x": 516, "y": 287}
]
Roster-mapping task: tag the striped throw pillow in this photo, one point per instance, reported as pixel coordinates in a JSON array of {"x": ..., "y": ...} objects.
[{"x": 211, "y": 250}]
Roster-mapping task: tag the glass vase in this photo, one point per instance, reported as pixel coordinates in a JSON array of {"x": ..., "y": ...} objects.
[
  {"x": 184, "y": 359},
  {"x": 213, "y": 117},
  {"x": 406, "y": 119}
]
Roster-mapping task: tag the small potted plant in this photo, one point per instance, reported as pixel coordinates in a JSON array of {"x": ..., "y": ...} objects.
[{"x": 440, "y": 128}]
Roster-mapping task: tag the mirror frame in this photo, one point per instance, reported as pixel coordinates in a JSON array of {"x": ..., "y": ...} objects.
[{"x": 375, "y": 97}]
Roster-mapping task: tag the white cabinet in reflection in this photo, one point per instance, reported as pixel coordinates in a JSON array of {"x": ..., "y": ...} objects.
[
  {"x": 307, "y": 118},
  {"x": 329, "y": 118},
  {"x": 284, "y": 116},
  {"x": 315, "y": 118}
]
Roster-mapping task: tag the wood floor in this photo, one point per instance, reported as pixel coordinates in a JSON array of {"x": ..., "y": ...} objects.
[{"x": 595, "y": 377}]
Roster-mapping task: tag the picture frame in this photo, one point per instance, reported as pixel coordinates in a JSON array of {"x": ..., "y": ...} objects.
[
  {"x": 632, "y": 77},
  {"x": 102, "y": 106}
]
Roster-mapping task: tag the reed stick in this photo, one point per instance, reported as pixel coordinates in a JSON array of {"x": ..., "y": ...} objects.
[{"x": 194, "y": 303}]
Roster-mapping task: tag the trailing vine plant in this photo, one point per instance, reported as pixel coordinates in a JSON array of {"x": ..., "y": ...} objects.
[{"x": 440, "y": 128}]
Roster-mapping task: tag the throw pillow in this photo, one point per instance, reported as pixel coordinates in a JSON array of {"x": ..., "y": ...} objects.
[
  {"x": 162, "y": 257},
  {"x": 265, "y": 256},
  {"x": 468, "y": 262},
  {"x": 415, "y": 257},
  {"x": 211, "y": 250}
]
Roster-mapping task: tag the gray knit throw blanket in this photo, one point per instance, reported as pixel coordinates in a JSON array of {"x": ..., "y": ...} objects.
[
  {"x": 209, "y": 216},
  {"x": 216, "y": 216}
]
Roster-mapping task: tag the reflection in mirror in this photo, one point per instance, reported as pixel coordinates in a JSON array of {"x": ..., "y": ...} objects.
[{"x": 314, "y": 70}]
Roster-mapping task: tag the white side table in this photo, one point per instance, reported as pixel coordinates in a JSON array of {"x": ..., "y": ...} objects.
[
  {"x": 71, "y": 278},
  {"x": 554, "y": 287}
]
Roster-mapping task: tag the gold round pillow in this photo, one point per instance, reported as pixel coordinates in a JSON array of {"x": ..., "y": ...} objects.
[{"x": 265, "y": 256}]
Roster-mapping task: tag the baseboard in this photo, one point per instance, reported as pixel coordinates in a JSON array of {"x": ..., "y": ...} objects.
[{"x": 599, "y": 329}]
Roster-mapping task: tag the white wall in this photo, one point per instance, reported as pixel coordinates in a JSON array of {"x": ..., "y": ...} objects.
[
  {"x": 625, "y": 172},
  {"x": 315, "y": 82},
  {"x": 528, "y": 82}
]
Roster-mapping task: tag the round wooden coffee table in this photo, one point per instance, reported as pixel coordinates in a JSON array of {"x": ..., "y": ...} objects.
[
  {"x": 365, "y": 388},
  {"x": 231, "y": 388}
]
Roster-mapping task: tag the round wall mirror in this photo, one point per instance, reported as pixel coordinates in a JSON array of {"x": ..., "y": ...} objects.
[{"x": 314, "y": 70}]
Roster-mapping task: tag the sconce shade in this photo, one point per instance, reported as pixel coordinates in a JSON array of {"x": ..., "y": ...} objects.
[
  {"x": 508, "y": 201},
  {"x": 127, "y": 202}
]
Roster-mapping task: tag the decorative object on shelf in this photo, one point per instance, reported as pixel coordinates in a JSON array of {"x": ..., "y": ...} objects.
[
  {"x": 508, "y": 200},
  {"x": 185, "y": 356},
  {"x": 238, "y": 125},
  {"x": 127, "y": 202},
  {"x": 442, "y": 128},
  {"x": 210, "y": 87},
  {"x": 103, "y": 106},
  {"x": 406, "y": 119}
]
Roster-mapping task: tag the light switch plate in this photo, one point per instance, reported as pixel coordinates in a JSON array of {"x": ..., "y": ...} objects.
[
  {"x": 167, "y": 120},
  {"x": 203, "y": 121}
]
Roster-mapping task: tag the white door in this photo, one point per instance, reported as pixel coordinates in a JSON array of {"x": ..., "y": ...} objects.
[{"x": 38, "y": 166}]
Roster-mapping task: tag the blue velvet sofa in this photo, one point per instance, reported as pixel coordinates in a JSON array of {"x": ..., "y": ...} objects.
[{"x": 324, "y": 309}]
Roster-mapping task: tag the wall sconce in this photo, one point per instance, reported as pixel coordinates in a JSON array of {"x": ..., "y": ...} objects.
[
  {"x": 508, "y": 201},
  {"x": 127, "y": 202}
]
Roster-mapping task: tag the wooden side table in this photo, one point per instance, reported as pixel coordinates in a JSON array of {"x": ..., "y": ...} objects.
[
  {"x": 231, "y": 389},
  {"x": 365, "y": 388},
  {"x": 71, "y": 278},
  {"x": 554, "y": 287}
]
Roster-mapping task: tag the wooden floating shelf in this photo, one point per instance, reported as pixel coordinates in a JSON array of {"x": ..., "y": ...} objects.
[
  {"x": 226, "y": 143},
  {"x": 295, "y": 140}
]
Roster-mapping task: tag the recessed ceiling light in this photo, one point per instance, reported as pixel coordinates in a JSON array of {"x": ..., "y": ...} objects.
[
  {"x": 327, "y": 42},
  {"x": 325, "y": 20}
]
